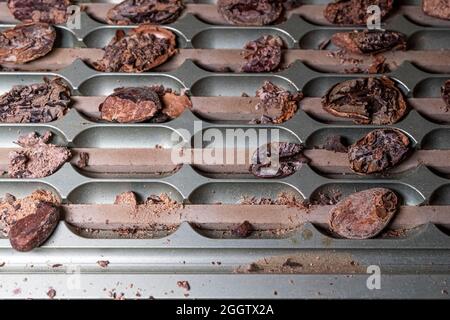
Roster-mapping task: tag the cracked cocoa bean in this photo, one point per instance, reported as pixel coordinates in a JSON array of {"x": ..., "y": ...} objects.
[
  {"x": 142, "y": 49},
  {"x": 287, "y": 159},
  {"x": 250, "y": 12},
  {"x": 26, "y": 42},
  {"x": 354, "y": 12},
  {"x": 47, "y": 11},
  {"x": 378, "y": 151},
  {"x": 35, "y": 103},
  {"x": 145, "y": 11},
  {"x": 364, "y": 214},
  {"x": 366, "y": 100},
  {"x": 369, "y": 42},
  {"x": 262, "y": 54}
]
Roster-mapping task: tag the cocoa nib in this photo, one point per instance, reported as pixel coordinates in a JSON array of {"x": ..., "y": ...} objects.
[
  {"x": 142, "y": 49},
  {"x": 38, "y": 102},
  {"x": 354, "y": 12},
  {"x": 335, "y": 143},
  {"x": 379, "y": 150},
  {"x": 250, "y": 12},
  {"x": 445, "y": 91},
  {"x": 369, "y": 42},
  {"x": 244, "y": 230},
  {"x": 262, "y": 54},
  {"x": 278, "y": 105},
  {"x": 437, "y": 8},
  {"x": 363, "y": 214},
  {"x": 127, "y": 198},
  {"x": 366, "y": 100},
  {"x": 145, "y": 11},
  {"x": 13, "y": 209},
  {"x": 38, "y": 158},
  {"x": 48, "y": 11},
  {"x": 26, "y": 42},
  {"x": 277, "y": 159},
  {"x": 33, "y": 230},
  {"x": 139, "y": 104}
]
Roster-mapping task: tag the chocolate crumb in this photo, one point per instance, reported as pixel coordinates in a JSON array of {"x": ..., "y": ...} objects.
[
  {"x": 103, "y": 263},
  {"x": 51, "y": 293},
  {"x": 243, "y": 230},
  {"x": 184, "y": 285}
]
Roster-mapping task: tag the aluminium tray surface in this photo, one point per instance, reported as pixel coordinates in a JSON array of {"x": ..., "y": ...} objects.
[{"x": 417, "y": 266}]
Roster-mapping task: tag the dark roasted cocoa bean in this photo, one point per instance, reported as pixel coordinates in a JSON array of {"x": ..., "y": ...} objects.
[
  {"x": 354, "y": 12},
  {"x": 437, "y": 8},
  {"x": 369, "y": 42},
  {"x": 39, "y": 102},
  {"x": 366, "y": 100},
  {"x": 142, "y": 49},
  {"x": 263, "y": 54},
  {"x": 47, "y": 11},
  {"x": 26, "y": 42},
  {"x": 33, "y": 230},
  {"x": 250, "y": 12},
  {"x": 378, "y": 151},
  {"x": 287, "y": 158},
  {"x": 145, "y": 11},
  {"x": 364, "y": 214}
]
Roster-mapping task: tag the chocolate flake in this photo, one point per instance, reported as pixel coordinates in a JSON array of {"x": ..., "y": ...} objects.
[
  {"x": 35, "y": 103},
  {"x": 364, "y": 214},
  {"x": 51, "y": 293},
  {"x": 366, "y": 100},
  {"x": 378, "y": 151},
  {"x": 184, "y": 285},
  {"x": 47, "y": 11},
  {"x": 142, "y": 49},
  {"x": 26, "y": 42},
  {"x": 262, "y": 54},
  {"x": 145, "y": 11},
  {"x": 354, "y": 12},
  {"x": 38, "y": 158},
  {"x": 250, "y": 12}
]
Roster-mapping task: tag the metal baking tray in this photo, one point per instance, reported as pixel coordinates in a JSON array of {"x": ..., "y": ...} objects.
[{"x": 415, "y": 265}]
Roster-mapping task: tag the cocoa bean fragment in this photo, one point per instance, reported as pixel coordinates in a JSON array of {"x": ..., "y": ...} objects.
[
  {"x": 364, "y": 214},
  {"x": 287, "y": 159},
  {"x": 33, "y": 230},
  {"x": 366, "y": 100},
  {"x": 437, "y": 8},
  {"x": 142, "y": 49},
  {"x": 145, "y": 11},
  {"x": 369, "y": 42},
  {"x": 47, "y": 11},
  {"x": 250, "y": 12},
  {"x": 26, "y": 42},
  {"x": 354, "y": 12},
  {"x": 35, "y": 103},
  {"x": 262, "y": 54}
]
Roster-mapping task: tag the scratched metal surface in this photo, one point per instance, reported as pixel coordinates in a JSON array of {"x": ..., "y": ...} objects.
[{"x": 417, "y": 266}]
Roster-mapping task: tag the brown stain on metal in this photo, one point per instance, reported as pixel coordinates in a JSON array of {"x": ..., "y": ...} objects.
[
  {"x": 307, "y": 234},
  {"x": 310, "y": 262}
]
